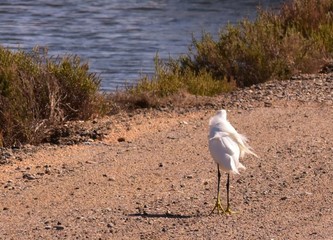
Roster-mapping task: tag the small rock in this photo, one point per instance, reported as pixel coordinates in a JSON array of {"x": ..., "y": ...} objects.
[
  {"x": 111, "y": 179},
  {"x": 121, "y": 139},
  {"x": 47, "y": 169},
  {"x": 172, "y": 136},
  {"x": 29, "y": 176},
  {"x": 268, "y": 104},
  {"x": 59, "y": 227},
  {"x": 91, "y": 162}
]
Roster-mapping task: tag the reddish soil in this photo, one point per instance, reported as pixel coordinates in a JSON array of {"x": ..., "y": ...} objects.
[{"x": 159, "y": 181}]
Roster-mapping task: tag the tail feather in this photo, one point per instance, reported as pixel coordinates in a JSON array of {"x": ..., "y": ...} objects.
[
  {"x": 241, "y": 140},
  {"x": 241, "y": 166}
]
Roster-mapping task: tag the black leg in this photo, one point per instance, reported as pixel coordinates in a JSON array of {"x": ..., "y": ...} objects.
[
  {"x": 218, "y": 181},
  {"x": 218, "y": 205},
  {"x": 228, "y": 187},
  {"x": 228, "y": 210}
]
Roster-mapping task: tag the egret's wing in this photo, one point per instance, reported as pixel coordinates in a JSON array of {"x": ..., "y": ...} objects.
[
  {"x": 223, "y": 151},
  {"x": 224, "y": 143},
  {"x": 235, "y": 152},
  {"x": 221, "y": 125},
  {"x": 225, "y": 127}
]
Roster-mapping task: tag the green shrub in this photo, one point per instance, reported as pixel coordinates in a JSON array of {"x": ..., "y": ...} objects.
[
  {"x": 165, "y": 82},
  {"x": 170, "y": 79},
  {"x": 297, "y": 38},
  {"x": 276, "y": 45},
  {"x": 78, "y": 87},
  {"x": 37, "y": 91}
]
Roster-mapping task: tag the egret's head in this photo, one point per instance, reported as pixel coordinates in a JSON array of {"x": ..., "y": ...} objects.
[{"x": 222, "y": 113}]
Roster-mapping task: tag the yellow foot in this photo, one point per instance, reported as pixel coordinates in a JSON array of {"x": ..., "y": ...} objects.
[
  {"x": 218, "y": 207},
  {"x": 228, "y": 211}
]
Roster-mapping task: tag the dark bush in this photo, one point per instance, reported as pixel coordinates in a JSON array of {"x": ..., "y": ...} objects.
[
  {"x": 298, "y": 38},
  {"x": 37, "y": 92}
]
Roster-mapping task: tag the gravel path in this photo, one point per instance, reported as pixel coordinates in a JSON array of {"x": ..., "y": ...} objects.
[{"x": 151, "y": 176}]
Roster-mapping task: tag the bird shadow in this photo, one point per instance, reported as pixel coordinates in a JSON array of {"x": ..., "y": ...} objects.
[{"x": 159, "y": 215}]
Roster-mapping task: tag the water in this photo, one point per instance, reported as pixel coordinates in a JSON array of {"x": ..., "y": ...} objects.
[{"x": 118, "y": 38}]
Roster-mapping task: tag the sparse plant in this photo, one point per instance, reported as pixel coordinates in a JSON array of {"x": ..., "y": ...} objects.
[
  {"x": 37, "y": 91},
  {"x": 172, "y": 78},
  {"x": 297, "y": 38}
]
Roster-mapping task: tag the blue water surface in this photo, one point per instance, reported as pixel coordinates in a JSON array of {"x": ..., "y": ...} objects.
[{"x": 119, "y": 38}]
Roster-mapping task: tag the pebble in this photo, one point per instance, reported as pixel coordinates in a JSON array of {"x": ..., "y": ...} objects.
[
  {"x": 304, "y": 88},
  {"x": 121, "y": 139},
  {"x": 29, "y": 176},
  {"x": 59, "y": 227},
  {"x": 91, "y": 162},
  {"x": 268, "y": 104}
]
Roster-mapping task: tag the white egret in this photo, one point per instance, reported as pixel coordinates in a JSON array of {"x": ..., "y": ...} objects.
[{"x": 226, "y": 146}]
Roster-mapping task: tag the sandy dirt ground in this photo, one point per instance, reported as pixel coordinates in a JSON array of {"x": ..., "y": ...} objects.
[{"x": 159, "y": 181}]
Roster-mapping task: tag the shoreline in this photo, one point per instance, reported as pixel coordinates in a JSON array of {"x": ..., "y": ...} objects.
[{"x": 304, "y": 88}]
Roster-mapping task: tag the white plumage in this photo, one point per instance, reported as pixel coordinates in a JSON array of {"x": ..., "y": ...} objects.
[{"x": 226, "y": 146}]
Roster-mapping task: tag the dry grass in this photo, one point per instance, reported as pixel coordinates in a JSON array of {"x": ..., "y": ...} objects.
[
  {"x": 37, "y": 92},
  {"x": 297, "y": 38}
]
